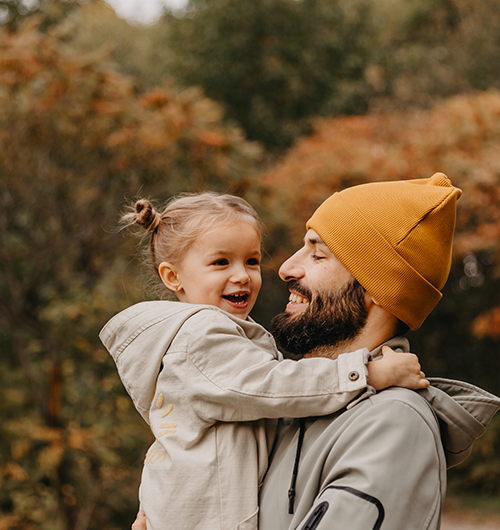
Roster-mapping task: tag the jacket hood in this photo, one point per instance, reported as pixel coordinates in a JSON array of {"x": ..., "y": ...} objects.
[
  {"x": 463, "y": 411},
  {"x": 133, "y": 339}
]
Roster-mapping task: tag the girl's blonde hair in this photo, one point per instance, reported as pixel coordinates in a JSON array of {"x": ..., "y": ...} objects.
[{"x": 186, "y": 218}]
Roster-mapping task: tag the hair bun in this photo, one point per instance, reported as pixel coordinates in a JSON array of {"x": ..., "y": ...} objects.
[{"x": 146, "y": 215}]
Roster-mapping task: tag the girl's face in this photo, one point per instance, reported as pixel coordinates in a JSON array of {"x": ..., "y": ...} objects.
[{"x": 221, "y": 268}]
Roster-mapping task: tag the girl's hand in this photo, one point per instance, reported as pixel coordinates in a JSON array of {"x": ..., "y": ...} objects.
[
  {"x": 396, "y": 369},
  {"x": 140, "y": 522}
]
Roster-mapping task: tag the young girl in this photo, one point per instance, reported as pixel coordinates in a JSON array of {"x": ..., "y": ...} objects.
[{"x": 208, "y": 379}]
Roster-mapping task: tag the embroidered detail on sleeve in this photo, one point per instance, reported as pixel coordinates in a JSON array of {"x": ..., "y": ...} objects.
[
  {"x": 167, "y": 411},
  {"x": 156, "y": 455},
  {"x": 170, "y": 427}
]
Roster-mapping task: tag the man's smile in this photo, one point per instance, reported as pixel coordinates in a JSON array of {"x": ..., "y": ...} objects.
[
  {"x": 297, "y": 302},
  {"x": 299, "y": 298}
]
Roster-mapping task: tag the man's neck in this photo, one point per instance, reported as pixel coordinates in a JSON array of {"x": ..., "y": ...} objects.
[
  {"x": 375, "y": 332},
  {"x": 332, "y": 352}
]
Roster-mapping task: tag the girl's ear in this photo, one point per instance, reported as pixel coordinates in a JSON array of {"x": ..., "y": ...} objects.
[{"x": 169, "y": 276}]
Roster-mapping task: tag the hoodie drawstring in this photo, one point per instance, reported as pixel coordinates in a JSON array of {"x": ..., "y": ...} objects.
[{"x": 291, "y": 491}]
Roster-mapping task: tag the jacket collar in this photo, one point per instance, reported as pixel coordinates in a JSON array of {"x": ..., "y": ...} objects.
[{"x": 398, "y": 343}]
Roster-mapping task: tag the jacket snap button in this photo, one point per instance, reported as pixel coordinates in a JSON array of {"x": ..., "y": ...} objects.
[{"x": 353, "y": 376}]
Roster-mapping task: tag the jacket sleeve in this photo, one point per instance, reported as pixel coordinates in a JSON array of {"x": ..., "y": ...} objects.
[
  {"x": 232, "y": 378},
  {"x": 386, "y": 470}
]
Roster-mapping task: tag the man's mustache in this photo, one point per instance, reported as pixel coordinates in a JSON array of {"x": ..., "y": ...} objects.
[{"x": 297, "y": 287}]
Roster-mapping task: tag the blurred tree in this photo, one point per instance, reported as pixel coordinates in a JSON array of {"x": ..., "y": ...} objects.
[
  {"x": 274, "y": 63},
  {"x": 13, "y": 12},
  {"x": 478, "y": 51},
  {"x": 433, "y": 48},
  {"x": 76, "y": 139},
  {"x": 140, "y": 51}
]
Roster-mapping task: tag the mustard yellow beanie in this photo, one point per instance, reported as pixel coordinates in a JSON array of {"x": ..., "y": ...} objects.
[{"x": 395, "y": 238}]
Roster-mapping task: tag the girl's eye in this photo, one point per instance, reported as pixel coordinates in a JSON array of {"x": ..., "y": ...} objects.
[
  {"x": 221, "y": 262},
  {"x": 253, "y": 262}
]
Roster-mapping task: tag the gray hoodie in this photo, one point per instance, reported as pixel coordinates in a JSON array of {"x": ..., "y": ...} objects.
[
  {"x": 378, "y": 464},
  {"x": 204, "y": 380}
]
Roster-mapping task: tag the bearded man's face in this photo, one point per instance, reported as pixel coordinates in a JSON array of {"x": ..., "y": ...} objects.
[
  {"x": 330, "y": 319},
  {"x": 327, "y": 306}
]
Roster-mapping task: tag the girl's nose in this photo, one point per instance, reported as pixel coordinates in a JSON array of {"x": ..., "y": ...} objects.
[{"x": 240, "y": 275}]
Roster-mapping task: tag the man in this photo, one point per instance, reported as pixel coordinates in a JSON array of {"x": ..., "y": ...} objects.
[{"x": 374, "y": 260}]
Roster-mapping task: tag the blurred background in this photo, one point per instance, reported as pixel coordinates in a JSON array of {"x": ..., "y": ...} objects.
[{"x": 280, "y": 101}]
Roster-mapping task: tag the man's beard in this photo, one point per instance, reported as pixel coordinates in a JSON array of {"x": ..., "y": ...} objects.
[{"x": 330, "y": 320}]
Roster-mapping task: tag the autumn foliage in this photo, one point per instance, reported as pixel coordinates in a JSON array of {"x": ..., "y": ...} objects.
[
  {"x": 459, "y": 138},
  {"x": 78, "y": 139}
]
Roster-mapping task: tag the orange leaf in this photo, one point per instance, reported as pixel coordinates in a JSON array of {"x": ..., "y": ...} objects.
[{"x": 212, "y": 138}]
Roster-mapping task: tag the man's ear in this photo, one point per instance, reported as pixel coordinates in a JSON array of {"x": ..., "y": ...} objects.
[
  {"x": 374, "y": 302},
  {"x": 369, "y": 300},
  {"x": 169, "y": 276}
]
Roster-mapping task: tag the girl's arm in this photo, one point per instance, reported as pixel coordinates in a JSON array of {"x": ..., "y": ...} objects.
[{"x": 229, "y": 377}]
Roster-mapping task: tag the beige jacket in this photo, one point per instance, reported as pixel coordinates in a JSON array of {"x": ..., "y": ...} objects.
[
  {"x": 381, "y": 464},
  {"x": 211, "y": 385}
]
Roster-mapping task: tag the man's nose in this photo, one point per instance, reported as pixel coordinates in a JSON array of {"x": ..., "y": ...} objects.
[{"x": 291, "y": 269}]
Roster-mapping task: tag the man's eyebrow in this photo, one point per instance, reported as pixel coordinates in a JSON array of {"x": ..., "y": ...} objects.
[{"x": 314, "y": 241}]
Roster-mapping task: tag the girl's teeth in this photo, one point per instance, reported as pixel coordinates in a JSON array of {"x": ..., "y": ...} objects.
[{"x": 237, "y": 298}]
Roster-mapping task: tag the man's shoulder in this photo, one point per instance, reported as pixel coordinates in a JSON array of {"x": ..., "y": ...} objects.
[
  {"x": 388, "y": 421},
  {"x": 396, "y": 398},
  {"x": 392, "y": 408},
  {"x": 398, "y": 394}
]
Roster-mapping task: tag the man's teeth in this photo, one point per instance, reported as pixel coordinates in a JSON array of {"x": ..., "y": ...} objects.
[{"x": 297, "y": 299}]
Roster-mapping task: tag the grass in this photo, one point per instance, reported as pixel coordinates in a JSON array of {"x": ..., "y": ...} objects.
[{"x": 473, "y": 507}]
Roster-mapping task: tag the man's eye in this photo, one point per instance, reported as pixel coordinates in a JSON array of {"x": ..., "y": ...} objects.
[
  {"x": 317, "y": 258},
  {"x": 253, "y": 261}
]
